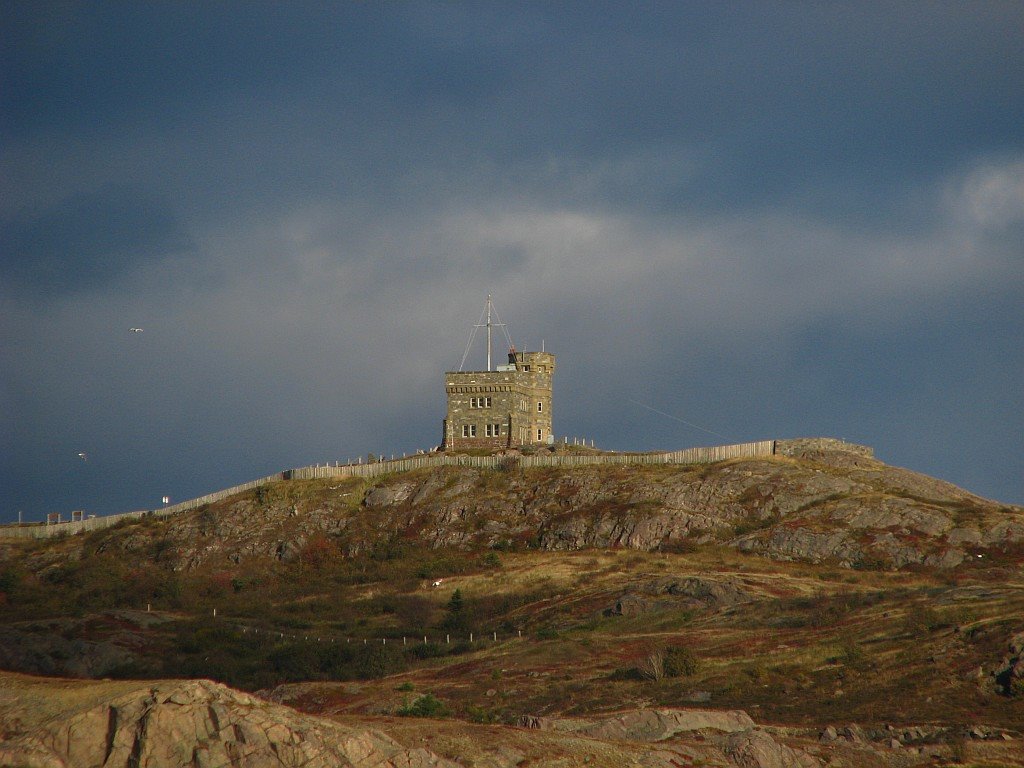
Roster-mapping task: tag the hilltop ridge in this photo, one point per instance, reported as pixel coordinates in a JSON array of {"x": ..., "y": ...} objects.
[
  {"x": 813, "y": 501},
  {"x": 843, "y": 608}
]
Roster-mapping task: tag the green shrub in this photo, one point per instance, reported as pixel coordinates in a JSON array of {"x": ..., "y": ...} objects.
[
  {"x": 922, "y": 619},
  {"x": 492, "y": 560},
  {"x": 457, "y": 616},
  {"x": 626, "y": 673},
  {"x": 852, "y": 654},
  {"x": 423, "y": 651},
  {"x": 1016, "y": 687},
  {"x": 295, "y": 662},
  {"x": 752, "y": 523},
  {"x": 425, "y": 706},
  {"x": 481, "y": 715},
  {"x": 680, "y": 662},
  {"x": 374, "y": 661}
]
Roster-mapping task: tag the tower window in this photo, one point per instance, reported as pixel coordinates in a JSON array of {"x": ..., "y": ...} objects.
[
  {"x": 540, "y": 434},
  {"x": 469, "y": 430},
  {"x": 540, "y": 406}
]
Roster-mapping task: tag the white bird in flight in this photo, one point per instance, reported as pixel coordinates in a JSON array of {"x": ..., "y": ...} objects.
[
  {"x": 135, "y": 330},
  {"x": 83, "y": 457}
]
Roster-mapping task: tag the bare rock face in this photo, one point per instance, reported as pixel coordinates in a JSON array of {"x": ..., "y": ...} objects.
[
  {"x": 647, "y": 724},
  {"x": 1010, "y": 674},
  {"x": 671, "y": 592},
  {"x": 717, "y": 592},
  {"x": 661, "y": 724},
  {"x": 756, "y": 749},
  {"x": 388, "y": 496},
  {"x": 200, "y": 724},
  {"x": 723, "y": 737}
]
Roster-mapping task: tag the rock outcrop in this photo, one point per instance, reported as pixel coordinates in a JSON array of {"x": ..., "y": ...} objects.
[
  {"x": 671, "y": 592},
  {"x": 200, "y": 724},
  {"x": 723, "y": 737},
  {"x": 1009, "y": 675},
  {"x": 756, "y": 749}
]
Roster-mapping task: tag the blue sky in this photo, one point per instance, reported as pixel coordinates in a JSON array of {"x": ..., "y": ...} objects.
[{"x": 766, "y": 219}]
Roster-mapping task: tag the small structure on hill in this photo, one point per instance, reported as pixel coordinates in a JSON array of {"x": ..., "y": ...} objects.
[{"x": 501, "y": 408}]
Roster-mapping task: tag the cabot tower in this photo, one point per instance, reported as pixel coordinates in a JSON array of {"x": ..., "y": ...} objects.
[{"x": 504, "y": 407}]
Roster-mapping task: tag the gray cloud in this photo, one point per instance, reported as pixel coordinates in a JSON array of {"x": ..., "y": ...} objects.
[
  {"x": 787, "y": 221},
  {"x": 89, "y": 239}
]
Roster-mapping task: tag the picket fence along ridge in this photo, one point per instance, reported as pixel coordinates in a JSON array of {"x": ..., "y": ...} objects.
[{"x": 421, "y": 461}]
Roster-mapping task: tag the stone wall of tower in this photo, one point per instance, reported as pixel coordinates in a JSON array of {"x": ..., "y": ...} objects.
[
  {"x": 499, "y": 409},
  {"x": 536, "y": 371}
]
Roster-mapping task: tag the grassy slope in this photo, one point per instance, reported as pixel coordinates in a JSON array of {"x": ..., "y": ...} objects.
[{"x": 813, "y": 645}]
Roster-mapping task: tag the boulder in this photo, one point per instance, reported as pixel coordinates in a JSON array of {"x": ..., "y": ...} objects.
[
  {"x": 853, "y": 733},
  {"x": 632, "y": 604},
  {"x": 715, "y": 592},
  {"x": 756, "y": 749},
  {"x": 388, "y": 495}
]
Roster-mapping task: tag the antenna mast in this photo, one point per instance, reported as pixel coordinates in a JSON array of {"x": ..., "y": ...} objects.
[
  {"x": 488, "y": 325},
  {"x": 488, "y": 310},
  {"x": 488, "y": 331}
]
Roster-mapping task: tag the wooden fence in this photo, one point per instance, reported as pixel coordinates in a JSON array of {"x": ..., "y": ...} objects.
[
  {"x": 687, "y": 456},
  {"x": 419, "y": 461}
]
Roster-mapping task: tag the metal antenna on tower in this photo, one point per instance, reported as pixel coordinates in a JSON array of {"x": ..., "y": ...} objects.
[
  {"x": 488, "y": 331},
  {"x": 486, "y": 314},
  {"x": 488, "y": 325}
]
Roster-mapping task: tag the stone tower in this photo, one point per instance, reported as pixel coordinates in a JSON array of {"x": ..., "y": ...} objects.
[{"x": 500, "y": 408}]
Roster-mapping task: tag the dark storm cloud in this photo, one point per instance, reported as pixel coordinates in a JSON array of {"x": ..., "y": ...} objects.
[
  {"x": 769, "y": 220},
  {"x": 88, "y": 240}
]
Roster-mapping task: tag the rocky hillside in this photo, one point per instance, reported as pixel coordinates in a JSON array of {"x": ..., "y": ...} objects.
[
  {"x": 817, "y": 608},
  {"x": 837, "y": 506}
]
